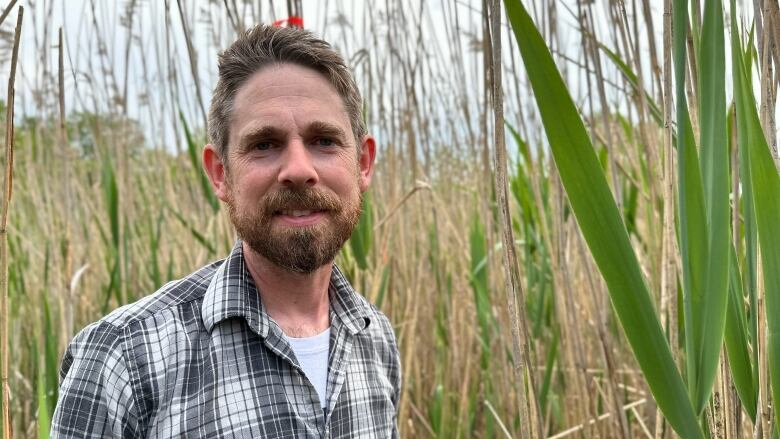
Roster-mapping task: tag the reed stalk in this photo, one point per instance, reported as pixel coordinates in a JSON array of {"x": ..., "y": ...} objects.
[
  {"x": 525, "y": 383},
  {"x": 7, "y": 11},
  {"x": 6, "y": 200}
]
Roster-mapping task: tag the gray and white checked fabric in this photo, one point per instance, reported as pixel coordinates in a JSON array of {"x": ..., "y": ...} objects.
[{"x": 200, "y": 358}]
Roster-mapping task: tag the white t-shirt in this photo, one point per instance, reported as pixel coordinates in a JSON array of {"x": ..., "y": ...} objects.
[{"x": 312, "y": 355}]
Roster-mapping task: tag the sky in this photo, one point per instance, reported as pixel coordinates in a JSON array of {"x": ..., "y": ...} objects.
[{"x": 99, "y": 67}]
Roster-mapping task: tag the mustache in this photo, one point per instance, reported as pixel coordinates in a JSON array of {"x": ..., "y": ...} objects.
[{"x": 300, "y": 198}]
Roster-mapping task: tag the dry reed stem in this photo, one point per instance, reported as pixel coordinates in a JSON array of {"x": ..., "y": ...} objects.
[
  {"x": 418, "y": 186},
  {"x": 488, "y": 177},
  {"x": 649, "y": 142},
  {"x": 594, "y": 53},
  {"x": 728, "y": 405},
  {"x": 421, "y": 418},
  {"x": 614, "y": 397},
  {"x": 603, "y": 335},
  {"x": 7, "y": 11},
  {"x": 642, "y": 424},
  {"x": 6, "y": 194},
  {"x": 768, "y": 84},
  {"x": 580, "y": 427},
  {"x": 565, "y": 312},
  {"x": 193, "y": 58},
  {"x": 668, "y": 308},
  {"x": 497, "y": 418},
  {"x": 530, "y": 426},
  {"x": 761, "y": 428},
  {"x": 691, "y": 82},
  {"x": 655, "y": 67},
  {"x": 66, "y": 300}
]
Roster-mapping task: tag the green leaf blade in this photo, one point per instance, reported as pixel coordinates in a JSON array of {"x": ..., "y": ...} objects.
[
  {"x": 601, "y": 224},
  {"x": 765, "y": 185},
  {"x": 710, "y": 316},
  {"x": 736, "y": 338}
]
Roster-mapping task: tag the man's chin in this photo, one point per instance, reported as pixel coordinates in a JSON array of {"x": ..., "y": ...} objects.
[{"x": 298, "y": 251}]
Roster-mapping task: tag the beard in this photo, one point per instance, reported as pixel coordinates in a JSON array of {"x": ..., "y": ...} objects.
[{"x": 296, "y": 249}]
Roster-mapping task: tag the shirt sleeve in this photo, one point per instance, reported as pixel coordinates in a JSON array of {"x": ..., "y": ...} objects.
[
  {"x": 96, "y": 399},
  {"x": 397, "y": 393}
]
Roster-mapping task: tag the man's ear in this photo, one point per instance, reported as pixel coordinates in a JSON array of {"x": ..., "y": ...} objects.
[
  {"x": 215, "y": 169},
  {"x": 366, "y": 161}
]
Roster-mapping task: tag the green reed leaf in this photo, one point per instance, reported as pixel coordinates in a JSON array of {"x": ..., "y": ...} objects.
[
  {"x": 765, "y": 185},
  {"x": 193, "y": 151},
  {"x": 709, "y": 304},
  {"x": 360, "y": 241},
  {"x": 600, "y": 221},
  {"x": 736, "y": 338}
]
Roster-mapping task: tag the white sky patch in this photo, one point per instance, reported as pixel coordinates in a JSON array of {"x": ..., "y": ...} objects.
[{"x": 152, "y": 81}]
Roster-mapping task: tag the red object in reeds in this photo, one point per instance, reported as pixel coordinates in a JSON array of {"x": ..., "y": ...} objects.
[{"x": 293, "y": 21}]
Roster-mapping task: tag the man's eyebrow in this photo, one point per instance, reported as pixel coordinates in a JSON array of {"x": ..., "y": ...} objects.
[
  {"x": 261, "y": 132},
  {"x": 321, "y": 128}
]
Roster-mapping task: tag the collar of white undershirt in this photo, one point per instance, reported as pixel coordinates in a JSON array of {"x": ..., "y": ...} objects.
[{"x": 310, "y": 345}]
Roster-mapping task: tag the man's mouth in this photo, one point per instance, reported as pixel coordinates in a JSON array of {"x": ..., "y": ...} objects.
[
  {"x": 297, "y": 213},
  {"x": 299, "y": 218}
]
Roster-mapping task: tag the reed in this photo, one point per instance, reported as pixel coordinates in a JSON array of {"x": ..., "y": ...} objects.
[
  {"x": 573, "y": 223},
  {"x": 5, "y": 352}
]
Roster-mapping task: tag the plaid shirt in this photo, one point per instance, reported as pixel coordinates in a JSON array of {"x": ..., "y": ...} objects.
[{"x": 201, "y": 358}]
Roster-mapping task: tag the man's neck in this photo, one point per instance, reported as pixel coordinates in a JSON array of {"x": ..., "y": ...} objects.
[{"x": 298, "y": 302}]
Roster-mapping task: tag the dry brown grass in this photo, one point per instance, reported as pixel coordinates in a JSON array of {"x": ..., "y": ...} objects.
[{"x": 77, "y": 248}]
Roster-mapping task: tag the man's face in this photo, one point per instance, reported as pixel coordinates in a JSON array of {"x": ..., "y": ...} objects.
[{"x": 294, "y": 180}]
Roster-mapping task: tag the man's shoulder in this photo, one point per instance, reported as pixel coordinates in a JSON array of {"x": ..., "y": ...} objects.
[
  {"x": 171, "y": 295},
  {"x": 380, "y": 321},
  {"x": 379, "y": 326}
]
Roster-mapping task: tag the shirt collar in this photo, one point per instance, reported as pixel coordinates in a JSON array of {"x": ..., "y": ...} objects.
[{"x": 232, "y": 293}]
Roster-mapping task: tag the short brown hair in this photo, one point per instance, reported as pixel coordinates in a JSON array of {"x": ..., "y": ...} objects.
[{"x": 264, "y": 45}]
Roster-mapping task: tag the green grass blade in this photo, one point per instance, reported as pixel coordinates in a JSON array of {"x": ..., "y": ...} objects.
[
  {"x": 111, "y": 195},
  {"x": 380, "y": 295},
  {"x": 44, "y": 416},
  {"x": 692, "y": 227},
  {"x": 748, "y": 213},
  {"x": 549, "y": 367},
  {"x": 710, "y": 304},
  {"x": 519, "y": 184},
  {"x": 194, "y": 153},
  {"x": 522, "y": 145},
  {"x": 435, "y": 410},
  {"x": 601, "y": 225},
  {"x": 631, "y": 77},
  {"x": 480, "y": 285},
  {"x": 202, "y": 239},
  {"x": 51, "y": 361},
  {"x": 736, "y": 338},
  {"x": 765, "y": 184},
  {"x": 360, "y": 241}
]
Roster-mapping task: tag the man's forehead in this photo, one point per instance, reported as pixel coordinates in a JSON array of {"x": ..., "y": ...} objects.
[
  {"x": 282, "y": 88},
  {"x": 280, "y": 79}
]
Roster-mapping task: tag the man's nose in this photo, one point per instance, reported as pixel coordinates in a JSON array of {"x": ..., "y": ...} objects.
[{"x": 297, "y": 167}]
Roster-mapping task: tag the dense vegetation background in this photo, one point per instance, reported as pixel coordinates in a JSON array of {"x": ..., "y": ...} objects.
[{"x": 638, "y": 245}]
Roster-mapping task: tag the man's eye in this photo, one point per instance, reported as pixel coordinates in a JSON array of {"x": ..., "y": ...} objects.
[
  {"x": 325, "y": 142},
  {"x": 262, "y": 146}
]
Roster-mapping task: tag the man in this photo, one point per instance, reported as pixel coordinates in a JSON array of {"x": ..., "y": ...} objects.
[{"x": 271, "y": 342}]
